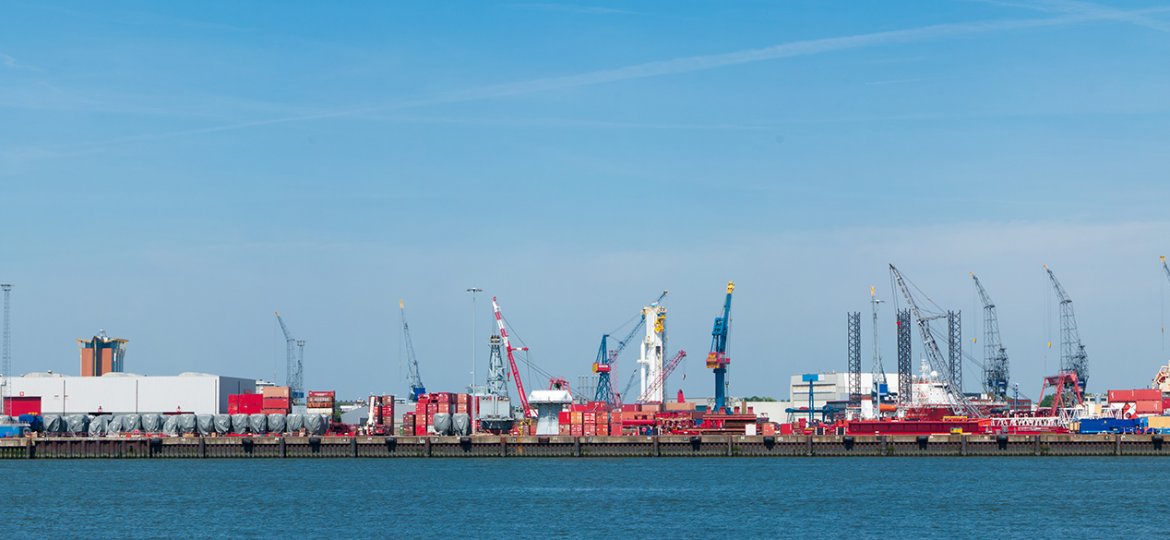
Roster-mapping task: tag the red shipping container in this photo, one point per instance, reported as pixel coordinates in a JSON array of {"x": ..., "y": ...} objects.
[
  {"x": 602, "y": 418},
  {"x": 602, "y": 430},
  {"x": 251, "y": 403},
  {"x": 276, "y": 403},
  {"x": 323, "y": 393},
  {"x": 18, "y": 405},
  {"x": 1147, "y": 394},
  {"x": 565, "y": 418},
  {"x": 1165, "y": 403},
  {"x": 1119, "y": 396},
  {"x": 564, "y": 429},
  {"x": 616, "y": 417},
  {"x": 589, "y": 418},
  {"x": 1149, "y": 407},
  {"x": 432, "y": 408},
  {"x": 590, "y": 430},
  {"x": 576, "y": 430},
  {"x": 420, "y": 429},
  {"x": 633, "y": 407}
]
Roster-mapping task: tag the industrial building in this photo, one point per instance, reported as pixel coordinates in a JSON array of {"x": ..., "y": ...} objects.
[
  {"x": 102, "y": 354},
  {"x": 199, "y": 393},
  {"x": 829, "y": 387}
]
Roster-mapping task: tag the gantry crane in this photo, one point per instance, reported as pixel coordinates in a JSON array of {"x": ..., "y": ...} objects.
[
  {"x": 717, "y": 359},
  {"x": 294, "y": 364},
  {"x": 955, "y": 398},
  {"x": 417, "y": 388},
  {"x": 1072, "y": 352},
  {"x": 995, "y": 359},
  {"x": 659, "y": 382},
  {"x": 508, "y": 348},
  {"x": 607, "y": 359}
]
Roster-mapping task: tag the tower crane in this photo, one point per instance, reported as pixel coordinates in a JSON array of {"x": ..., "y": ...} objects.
[
  {"x": 717, "y": 359},
  {"x": 607, "y": 360},
  {"x": 995, "y": 359},
  {"x": 880, "y": 386},
  {"x": 508, "y": 348},
  {"x": 659, "y": 382},
  {"x": 955, "y": 398},
  {"x": 417, "y": 388},
  {"x": 294, "y": 364},
  {"x": 1072, "y": 353}
]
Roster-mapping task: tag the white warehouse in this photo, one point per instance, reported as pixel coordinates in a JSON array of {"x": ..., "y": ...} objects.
[{"x": 198, "y": 393}]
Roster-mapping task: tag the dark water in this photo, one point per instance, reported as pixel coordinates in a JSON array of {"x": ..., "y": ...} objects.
[{"x": 618, "y": 498}]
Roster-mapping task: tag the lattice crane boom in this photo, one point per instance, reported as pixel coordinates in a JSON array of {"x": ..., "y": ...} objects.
[
  {"x": 417, "y": 388},
  {"x": 508, "y": 348},
  {"x": 659, "y": 382},
  {"x": 1072, "y": 352},
  {"x": 1164, "y": 267},
  {"x": 995, "y": 359},
  {"x": 607, "y": 360},
  {"x": 294, "y": 363},
  {"x": 934, "y": 356},
  {"x": 717, "y": 359}
]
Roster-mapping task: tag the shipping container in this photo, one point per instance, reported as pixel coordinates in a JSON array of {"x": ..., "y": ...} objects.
[
  {"x": 576, "y": 430},
  {"x": 576, "y": 418},
  {"x": 1159, "y": 422},
  {"x": 276, "y": 403},
  {"x": 1149, "y": 407},
  {"x": 565, "y": 418},
  {"x": 275, "y": 392},
  {"x": 18, "y": 405}
]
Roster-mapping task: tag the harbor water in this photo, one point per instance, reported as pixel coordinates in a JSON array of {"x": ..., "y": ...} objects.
[{"x": 589, "y": 498}]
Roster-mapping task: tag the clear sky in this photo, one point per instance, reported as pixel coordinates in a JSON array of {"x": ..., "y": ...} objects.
[{"x": 174, "y": 172}]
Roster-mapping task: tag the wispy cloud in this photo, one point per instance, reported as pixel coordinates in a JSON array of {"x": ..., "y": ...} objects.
[
  {"x": 1088, "y": 9},
  {"x": 675, "y": 66},
  {"x": 571, "y": 8},
  {"x": 8, "y": 61}
]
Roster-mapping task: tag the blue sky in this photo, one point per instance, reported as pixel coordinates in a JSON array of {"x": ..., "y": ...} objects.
[{"x": 174, "y": 173}]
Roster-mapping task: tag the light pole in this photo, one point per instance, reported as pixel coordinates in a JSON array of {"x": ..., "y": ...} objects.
[{"x": 471, "y": 389}]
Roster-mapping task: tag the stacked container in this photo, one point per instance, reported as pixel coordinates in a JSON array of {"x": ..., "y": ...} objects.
[
  {"x": 320, "y": 402},
  {"x": 383, "y": 411},
  {"x": 1145, "y": 400},
  {"x": 276, "y": 400},
  {"x": 245, "y": 404}
]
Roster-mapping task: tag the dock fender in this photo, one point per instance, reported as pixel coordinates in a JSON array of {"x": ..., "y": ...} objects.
[
  {"x": 923, "y": 440},
  {"x": 1001, "y": 441},
  {"x": 769, "y": 441},
  {"x": 848, "y": 441}
]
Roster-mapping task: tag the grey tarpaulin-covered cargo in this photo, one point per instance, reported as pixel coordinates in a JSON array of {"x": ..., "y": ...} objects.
[
  {"x": 461, "y": 424},
  {"x": 276, "y": 423},
  {"x": 239, "y": 424},
  {"x": 443, "y": 423},
  {"x": 171, "y": 426},
  {"x": 205, "y": 423},
  {"x": 186, "y": 423},
  {"x": 99, "y": 426},
  {"x": 152, "y": 423},
  {"x": 315, "y": 424},
  {"x": 77, "y": 423},
  {"x": 131, "y": 423},
  {"x": 258, "y": 423},
  {"x": 54, "y": 423},
  {"x": 114, "y": 426},
  {"x": 294, "y": 422},
  {"x": 5, "y": 419},
  {"x": 223, "y": 424}
]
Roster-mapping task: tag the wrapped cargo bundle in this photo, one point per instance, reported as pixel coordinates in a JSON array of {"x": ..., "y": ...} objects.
[
  {"x": 99, "y": 426},
  {"x": 294, "y": 422},
  {"x": 186, "y": 423},
  {"x": 77, "y": 423},
  {"x": 114, "y": 425},
  {"x": 258, "y": 423},
  {"x": 171, "y": 426},
  {"x": 54, "y": 423},
  {"x": 223, "y": 424},
  {"x": 205, "y": 424},
  {"x": 131, "y": 423},
  {"x": 152, "y": 423},
  {"x": 316, "y": 424},
  {"x": 239, "y": 424},
  {"x": 276, "y": 423},
  {"x": 443, "y": 424},
  {"x": 5, "y": 419},
  {"x": 461, "y": 424}
]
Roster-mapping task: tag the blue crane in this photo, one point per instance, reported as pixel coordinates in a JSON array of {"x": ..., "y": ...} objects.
[
  {"x": 416, "y": 385},
  {"x": 606, "y": 359},
  {"x": 717, "y": 359}
]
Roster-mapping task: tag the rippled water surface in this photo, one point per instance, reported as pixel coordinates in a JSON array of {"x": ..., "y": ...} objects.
[{"x": 618, "y": 498}]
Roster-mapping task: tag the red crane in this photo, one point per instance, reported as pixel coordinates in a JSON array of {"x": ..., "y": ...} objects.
[
  {"x": 511, "y": 358},
  {"x": 653, "y": 386}
]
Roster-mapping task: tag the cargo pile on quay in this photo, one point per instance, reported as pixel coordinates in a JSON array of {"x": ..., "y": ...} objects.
[{"x": 923, "y": 411}]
